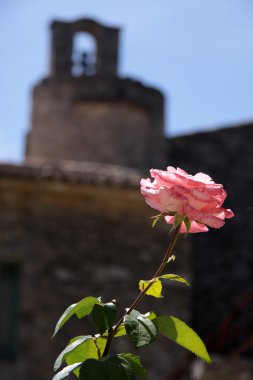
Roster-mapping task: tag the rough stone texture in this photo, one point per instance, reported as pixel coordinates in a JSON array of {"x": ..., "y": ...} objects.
[
  {"x": 74, "y": 240},
  {"x": 223, "y": 368},
  {"x": 101, "y": 118},
  {"x": 73, "y": 172},
  {"x": 114, "y": 121},
  {"x": 222, "y": 259}
]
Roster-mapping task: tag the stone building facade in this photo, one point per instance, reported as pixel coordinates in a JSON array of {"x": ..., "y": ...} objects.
[
  {"x": 73, "y": 222},
  {"x": 74, "y": 234},
  {"x": 222, "y": 260}
]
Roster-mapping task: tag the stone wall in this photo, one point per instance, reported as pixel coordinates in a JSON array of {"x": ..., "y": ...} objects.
[
  {"x": 223, "y": 368},
  {"x": 109, "y": 120},
  {"x": 74, "y": 240},
  {"x": 222, "y": 259}
]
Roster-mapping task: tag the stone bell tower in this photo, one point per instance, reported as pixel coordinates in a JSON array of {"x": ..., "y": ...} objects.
[{"x": 83, "y": 111}]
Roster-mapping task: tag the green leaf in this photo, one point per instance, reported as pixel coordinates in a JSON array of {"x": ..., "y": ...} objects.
[
  {"x": 154, "y": 290},
  {"x": 86, "y": 350},
  {"x": 100, "y": 343},
  {"x": 135, "y": 362},
  {"x": 66, "y": 371},
  {"x": 150, "y": 315},
  {"x": 113, "y": 368},
  {"x": 90, "y": 349},
  {"x": 103, "y": 316},
  {"x": 140, "y": 329},
  {"x": 121, "y": 331},
  {"x": 176, "y": 330},
  {"x": 72, "y": 348},
  {"x": 81, "y": 309},
  {"x": 175, "y": 277}
]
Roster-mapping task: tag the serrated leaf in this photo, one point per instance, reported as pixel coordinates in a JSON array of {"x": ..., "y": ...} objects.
[
  {"x": 178, "y": 331},
  {"x": 140, "y": 329},
  {"x": 103, "y": 316},
  {"x": 135, "y": 362},
  {"x": 154, "y": 290},
  {"x": 81, "y": 309},
  {"x": 66, "y": 371},
  {"x": 113, "y": 368},
  {"x": 72, "y": 347},
  {"x": 175, "y": 277}
]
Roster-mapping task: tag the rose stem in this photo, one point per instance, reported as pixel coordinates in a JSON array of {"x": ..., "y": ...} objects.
[{"x": 167, "y": 255}]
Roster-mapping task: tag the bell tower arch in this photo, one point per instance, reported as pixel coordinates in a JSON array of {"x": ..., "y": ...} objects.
[
  {"x": 85, "y": 112},
  {"x": 63, "y": 37}
]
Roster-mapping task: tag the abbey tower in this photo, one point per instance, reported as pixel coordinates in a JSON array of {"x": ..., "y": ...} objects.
[{"x": 84, "y": 111}]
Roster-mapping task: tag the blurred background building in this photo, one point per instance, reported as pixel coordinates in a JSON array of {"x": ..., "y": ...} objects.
[{"x": 74, "y": 224}]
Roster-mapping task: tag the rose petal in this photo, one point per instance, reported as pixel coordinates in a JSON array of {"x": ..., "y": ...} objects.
[
  {"x": 195, "y": 227},
  {"x": 201, "y": 177},
  {"x": 210, "y": 220},
  {"x": 171, "y": 200},
  {"x": 198, "y": 227},
  {"x": 197, "y": 197}
]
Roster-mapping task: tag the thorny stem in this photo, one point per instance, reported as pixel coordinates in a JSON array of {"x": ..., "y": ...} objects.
[{"x": 167, "y": 255}]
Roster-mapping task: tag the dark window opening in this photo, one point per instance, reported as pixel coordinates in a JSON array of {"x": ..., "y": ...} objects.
[
  {"x": 83, "y": 55},
  {"x": 9, "y": 289}
]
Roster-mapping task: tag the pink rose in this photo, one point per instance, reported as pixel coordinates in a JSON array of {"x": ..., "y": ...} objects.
[{"x": 196, "y": 197}]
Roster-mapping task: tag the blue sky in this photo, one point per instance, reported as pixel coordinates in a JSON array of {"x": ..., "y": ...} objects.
[{"x": 199, "y": 53}]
